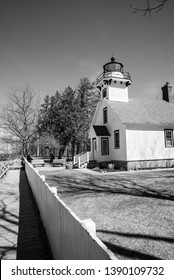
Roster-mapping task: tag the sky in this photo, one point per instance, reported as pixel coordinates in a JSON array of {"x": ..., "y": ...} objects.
[{"x": 51, "y": 44}]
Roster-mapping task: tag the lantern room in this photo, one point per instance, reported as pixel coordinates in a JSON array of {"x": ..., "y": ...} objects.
[{"x": 113, "y": 82}]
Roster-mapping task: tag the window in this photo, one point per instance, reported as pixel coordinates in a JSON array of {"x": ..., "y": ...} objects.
[
  {"x": 105, "y": 115},
  {"x": 94, "y": 144},
  {"x": 116, "y": 139},
  {"x": 104, "y": 93},
  {"x": 104, "y": 146},
  {"x": 168, "y": 135}
]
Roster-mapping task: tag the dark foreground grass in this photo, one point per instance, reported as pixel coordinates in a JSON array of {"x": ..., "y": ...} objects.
[{"x": 133, "y": 211}]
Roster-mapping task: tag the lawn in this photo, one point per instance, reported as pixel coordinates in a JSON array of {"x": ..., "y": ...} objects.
[{"x": 133, "y": 211}]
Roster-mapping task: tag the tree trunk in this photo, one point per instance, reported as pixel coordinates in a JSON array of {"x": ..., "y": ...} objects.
[
  {"x": 73, "y": 148},
  {"x": 78, "y": 148},
  {"x": 24, "y": 149},
  {"x": 61, "y": 152}
]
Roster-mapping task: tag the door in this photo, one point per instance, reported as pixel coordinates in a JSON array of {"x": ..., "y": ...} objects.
[
  {"x": 105, "y": 146},
  {"x": 94, "y": 148}
]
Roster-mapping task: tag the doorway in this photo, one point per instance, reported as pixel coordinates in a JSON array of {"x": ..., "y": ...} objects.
[{"x": 94, "y": 148}]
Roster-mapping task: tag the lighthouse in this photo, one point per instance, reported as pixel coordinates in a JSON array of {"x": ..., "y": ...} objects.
[{"x": 113, "y": 82}]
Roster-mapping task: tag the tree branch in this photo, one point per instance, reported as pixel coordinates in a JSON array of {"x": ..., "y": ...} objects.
[
  {"x": 19, "y": 115},
  {"x": 150, "y": 9}
]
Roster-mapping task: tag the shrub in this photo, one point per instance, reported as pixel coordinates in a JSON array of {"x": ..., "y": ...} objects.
[
  {"x": 103, "y": 165},
  {"x": 110, "y": 166}
]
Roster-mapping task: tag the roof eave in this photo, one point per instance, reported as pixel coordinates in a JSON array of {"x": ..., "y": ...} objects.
[{"x": 162, "y": 125}]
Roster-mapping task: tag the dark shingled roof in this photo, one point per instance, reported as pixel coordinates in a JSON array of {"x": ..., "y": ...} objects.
[
  {"x": 101, "y": 130},
  {"x": 144, "y": 111}
]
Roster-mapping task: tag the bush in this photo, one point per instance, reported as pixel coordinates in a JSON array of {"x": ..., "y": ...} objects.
[
  {"x": 111, "y": 166},
  {"x": 103, "y": 165}
]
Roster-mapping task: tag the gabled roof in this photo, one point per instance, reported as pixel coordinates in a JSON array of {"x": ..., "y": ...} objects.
[
  {"x": 144, "y": 111},
  {"x": 101, "y": 130}
]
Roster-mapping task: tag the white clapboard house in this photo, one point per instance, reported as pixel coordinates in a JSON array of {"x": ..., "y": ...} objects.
[{"x": 131, "y": 132}]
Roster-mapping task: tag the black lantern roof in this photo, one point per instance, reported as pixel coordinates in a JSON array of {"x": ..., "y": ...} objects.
[{"x": 113, "y": 66}]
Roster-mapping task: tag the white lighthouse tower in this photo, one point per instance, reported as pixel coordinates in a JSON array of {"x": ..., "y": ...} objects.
[{"x": 113, "y": 82}]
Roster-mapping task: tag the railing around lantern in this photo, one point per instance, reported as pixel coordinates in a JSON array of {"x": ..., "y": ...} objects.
[{"x": 126, "y": 75}]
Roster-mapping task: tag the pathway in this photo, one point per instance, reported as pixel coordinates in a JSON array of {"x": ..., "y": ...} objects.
[{"x": 22, "y": 235}]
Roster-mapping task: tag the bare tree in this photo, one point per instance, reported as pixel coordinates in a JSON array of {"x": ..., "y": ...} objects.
[
  {"x": 19, "y": 116},
  {"x": 10, "y": 144},
  {"x": 150, "y": 9}
]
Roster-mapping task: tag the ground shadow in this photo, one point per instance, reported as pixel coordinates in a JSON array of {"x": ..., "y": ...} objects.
[
  {"x": 128, "y": 253},
  {"x": 124, "y": 185},
  {"x": 138, "y": 236},
  {"x": 9, "y": 222},
  {"x": 32, "y": 240},
  {"x": 73, "y": 186}
]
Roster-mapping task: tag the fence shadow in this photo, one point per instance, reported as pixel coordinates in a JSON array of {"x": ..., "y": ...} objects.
[
  {"x": 8, "y": 222},
  {"x": 77, "y": 185},
  {"x": 8, "y": 225},
  {"x": 32, "y": 240},
  {"x": 131, "y": 254},
  {"x": 134, "y": 254}
]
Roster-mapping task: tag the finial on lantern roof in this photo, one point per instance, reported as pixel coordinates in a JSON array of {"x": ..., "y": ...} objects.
[{"x": 112, "y": 59}]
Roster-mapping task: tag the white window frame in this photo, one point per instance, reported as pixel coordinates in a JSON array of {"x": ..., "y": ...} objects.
[
  {"x": 107, "y": 147},
  {"x": 117, "y": 134},
  {"x": 105, "y": 117},
  {"x": 168, "y": 138},
  {"x": 104, "y": 93}
]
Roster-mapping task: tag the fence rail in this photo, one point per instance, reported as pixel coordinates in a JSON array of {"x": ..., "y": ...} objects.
[{"x": 68, "y": 237}]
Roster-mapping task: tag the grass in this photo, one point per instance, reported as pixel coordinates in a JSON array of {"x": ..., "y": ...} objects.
[{"x": 133, "y": 211}]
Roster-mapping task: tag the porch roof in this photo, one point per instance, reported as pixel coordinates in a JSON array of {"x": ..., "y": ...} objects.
[{"x": 101, "y": 130}]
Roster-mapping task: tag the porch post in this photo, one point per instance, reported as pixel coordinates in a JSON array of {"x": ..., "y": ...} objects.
[
  {"x": 87, "y": 156},
  {"x": 74, "y": 161},
  {"x": 78, "y": 162}
]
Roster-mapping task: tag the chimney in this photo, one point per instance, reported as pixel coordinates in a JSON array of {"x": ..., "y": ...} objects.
[{"x": 167, "y": 93}]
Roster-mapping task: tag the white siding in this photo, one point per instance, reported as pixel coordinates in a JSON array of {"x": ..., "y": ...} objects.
[
  {"x": 113, "y": 124},
  {"x": 93, "y": 156},
  {"x": 116, "y": 124},
  {"x": 118, "y": 93},
  {"x": 147, "y": 144}
]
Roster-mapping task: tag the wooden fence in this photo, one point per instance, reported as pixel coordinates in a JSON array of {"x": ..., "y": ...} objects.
[{"x": 67, "y": 234}]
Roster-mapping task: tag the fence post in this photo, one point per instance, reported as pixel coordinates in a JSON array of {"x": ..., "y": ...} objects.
[{"x": 89, "y": 225}]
